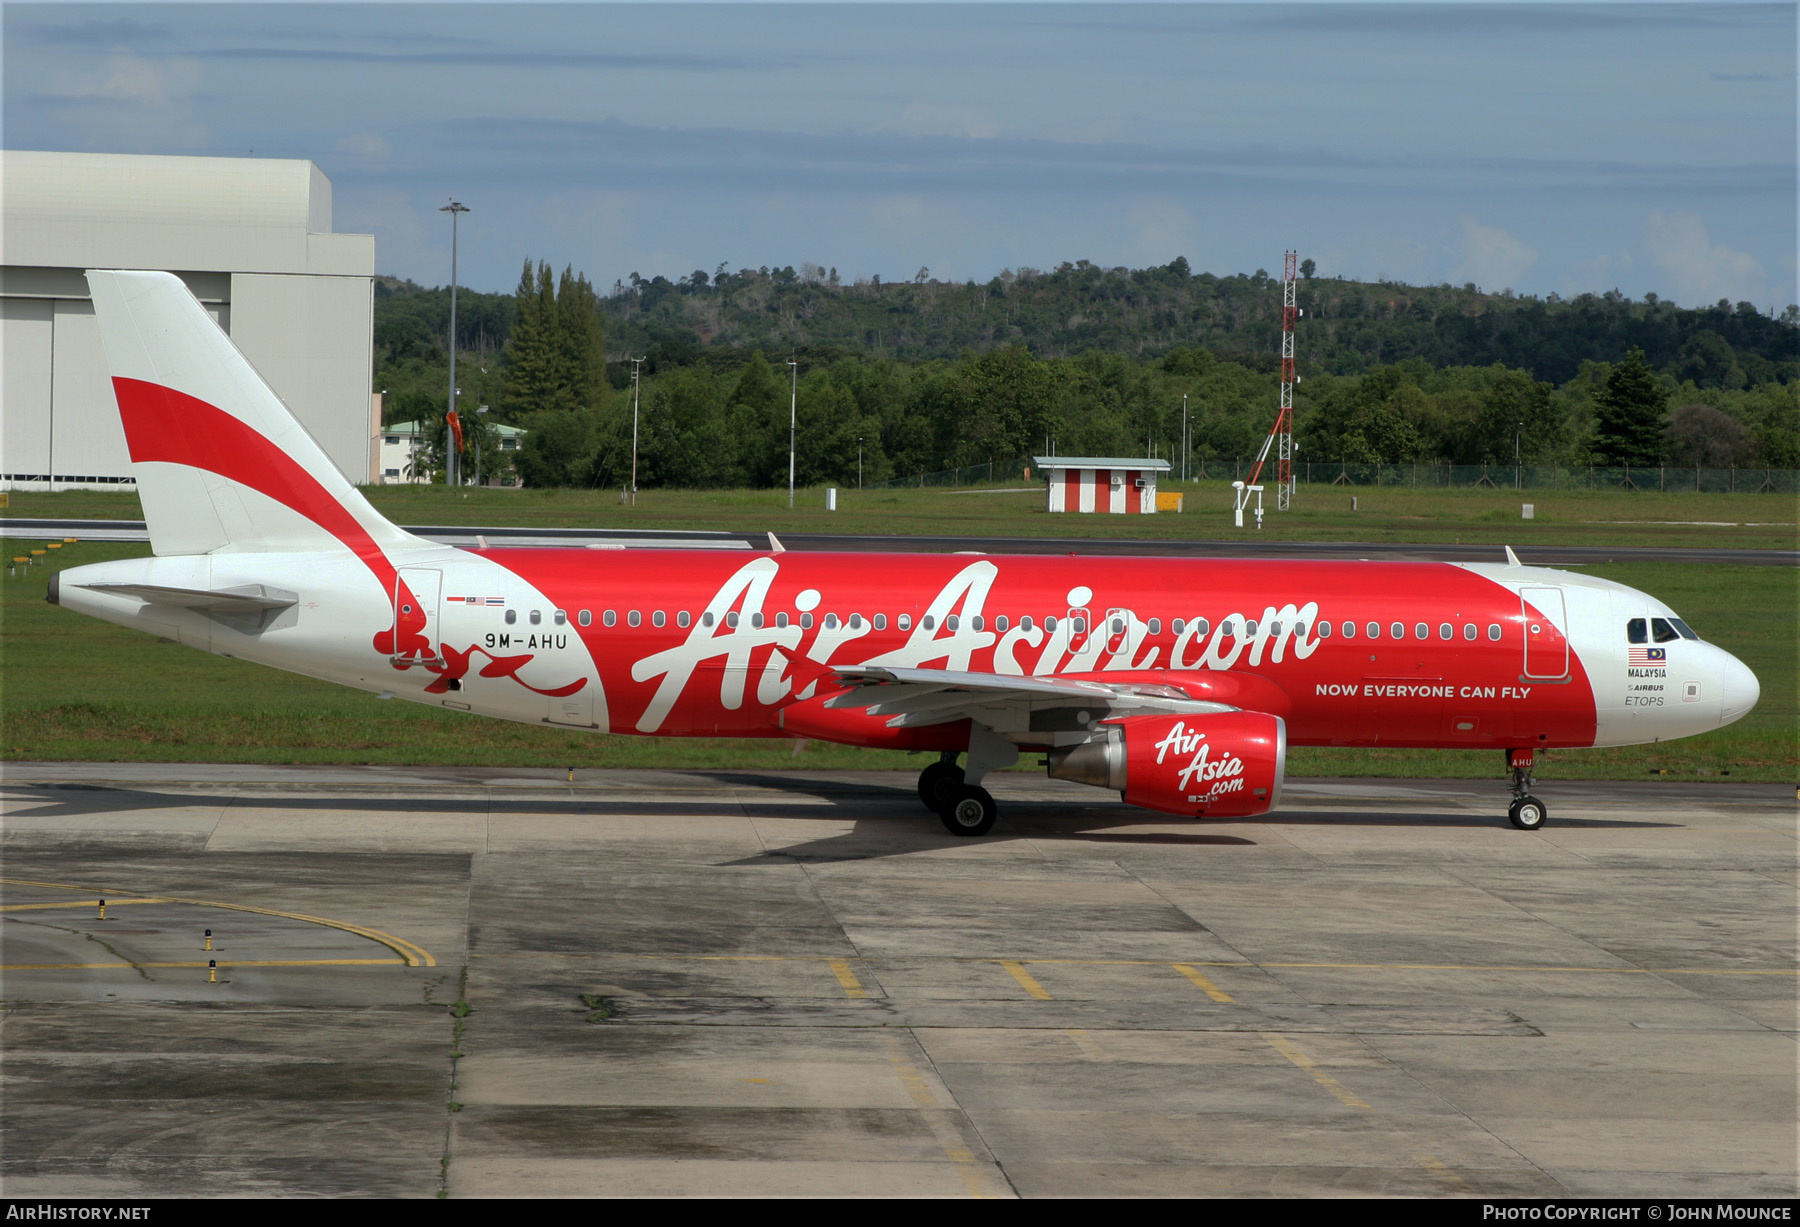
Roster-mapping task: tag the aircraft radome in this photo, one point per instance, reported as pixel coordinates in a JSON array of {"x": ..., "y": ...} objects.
[{"x": 1178, "y": 683}]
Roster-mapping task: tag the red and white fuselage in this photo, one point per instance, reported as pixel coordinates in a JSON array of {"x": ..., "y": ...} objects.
[{"x": 266, "y": 553}]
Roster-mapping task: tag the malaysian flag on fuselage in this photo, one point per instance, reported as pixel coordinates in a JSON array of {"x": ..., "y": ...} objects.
[{"x": 1647, "y": 657}]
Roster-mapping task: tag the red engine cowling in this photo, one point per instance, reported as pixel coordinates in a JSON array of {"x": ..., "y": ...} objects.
[{"x": 1220, "y": 765}]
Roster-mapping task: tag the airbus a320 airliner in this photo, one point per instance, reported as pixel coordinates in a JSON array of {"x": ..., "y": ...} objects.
[{"x": 1178, "y": 683}]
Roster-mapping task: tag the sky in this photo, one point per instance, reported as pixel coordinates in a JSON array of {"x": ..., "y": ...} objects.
[{"x": 1538, "y": 147}]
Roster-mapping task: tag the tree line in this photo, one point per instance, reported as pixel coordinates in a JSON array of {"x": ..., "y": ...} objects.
[{"x": 1653, "y": 383}]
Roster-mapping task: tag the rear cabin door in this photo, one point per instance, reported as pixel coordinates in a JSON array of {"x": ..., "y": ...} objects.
[{"x": 417, "y": 618}]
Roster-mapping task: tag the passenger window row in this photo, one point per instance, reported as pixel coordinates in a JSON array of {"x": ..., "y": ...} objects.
[{"x": 1663, "y": 629}]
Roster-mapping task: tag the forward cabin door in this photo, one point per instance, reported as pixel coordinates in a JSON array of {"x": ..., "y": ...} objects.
[{"x": 1546, "y": 646}]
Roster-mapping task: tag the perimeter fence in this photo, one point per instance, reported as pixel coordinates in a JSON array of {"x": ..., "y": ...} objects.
[{"x": 1669, "y": 478}]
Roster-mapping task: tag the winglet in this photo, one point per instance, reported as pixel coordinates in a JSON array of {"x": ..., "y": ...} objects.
[
  {"x": 1512, "y": 559},
  {"x": 775, "y": 547}
]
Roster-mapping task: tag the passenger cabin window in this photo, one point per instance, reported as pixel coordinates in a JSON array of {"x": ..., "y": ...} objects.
[
  {"x": 781, "y": 621},
  {"x": 1446, "y": 631},
  {"x": 609, "y": 618},
  {"x": 633, "y": 618},
  {"x": 952, "y": 622},
  {"x": 706, "y": 619},
  {"x": 1373, "y": 629},
  {"x": 1637, "y": 631},
  {"x": 1323, "y": 629},
  {"x": 831, "y": 622},
  {"x": 657, "y": 619},
  {"x": 1079, "y": 625},
  {"x": 1398, "y": 630},
  {"x": 904, "y": 622},
  {"x": 537, "y": 616},
  {"x": 585, "y": 617},
  {"x": 1156, "y": 626},
  {"x": 1421, "y": 631},
  {"x": 1000, "y": 623},
  {"x": 855, "y": 622},
  {"x": 681, "y": 619},
  {"x": 756, "y": 620},
  {"x": 1494, "y": 631},
  {"x": 731, "y": 619},
  {"x": 880, "y": 622},
  {"x": 512, "y": 616},
  {"x": 1249, "y": 630},
  {"x": 927, "y": 622},
  {"x": 806, "y": 621},
  {"x": 1025, "y": 622},
  {"x": 1050, "y": 622},
  {"x": 1201, "y": 626},
  {"x": 1469, "y": 631},
  {"x": 1661, "y": 631},
  {"x": 560, "y": 618}
]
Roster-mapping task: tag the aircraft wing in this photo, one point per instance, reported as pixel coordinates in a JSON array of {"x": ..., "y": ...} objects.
[{"x": 913, "y": 697}]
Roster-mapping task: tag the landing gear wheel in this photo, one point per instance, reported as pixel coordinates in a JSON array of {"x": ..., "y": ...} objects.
[
  {"x": 1527, "y": 813},
  {"x": 934, "y": 779},
  {"x": 967, "y": 810}
]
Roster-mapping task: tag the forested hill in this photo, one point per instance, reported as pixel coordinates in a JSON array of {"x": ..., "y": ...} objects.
[{"x": 1348, "y": 326}]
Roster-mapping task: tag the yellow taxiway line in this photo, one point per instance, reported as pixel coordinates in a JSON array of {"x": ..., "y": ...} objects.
[{"x": 412, "y": 955}]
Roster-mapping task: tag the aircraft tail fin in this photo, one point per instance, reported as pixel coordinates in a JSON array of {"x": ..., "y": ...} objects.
[{"x": 221, "y": 463}]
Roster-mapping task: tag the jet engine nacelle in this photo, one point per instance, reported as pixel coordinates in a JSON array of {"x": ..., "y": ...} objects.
[{"x": 1219, "y": 765}]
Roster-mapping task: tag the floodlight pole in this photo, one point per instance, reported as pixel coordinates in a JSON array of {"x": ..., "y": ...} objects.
[
  {"x": 635, "y": 363},
  {"x": 793, "y": 422},
  {"x": 1184, "y": 438},
  {"x": 454, "y": 209}
]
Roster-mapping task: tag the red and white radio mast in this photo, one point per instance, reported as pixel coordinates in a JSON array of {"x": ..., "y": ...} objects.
[{"x": 1281, "y": 437}]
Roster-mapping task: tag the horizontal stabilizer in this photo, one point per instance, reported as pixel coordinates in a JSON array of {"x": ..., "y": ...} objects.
[{"x": 247, "y": 598}]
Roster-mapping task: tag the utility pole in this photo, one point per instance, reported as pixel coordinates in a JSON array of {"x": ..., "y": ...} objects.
[
  {"x": 454, "y": 209},
  {"x": 859, "y": 462},
  {"x": 793, "y": 422},
  {"x": 635, "y": 363}
]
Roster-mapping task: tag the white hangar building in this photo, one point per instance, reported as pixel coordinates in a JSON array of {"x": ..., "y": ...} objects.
[{"x": 252, "y": 239}]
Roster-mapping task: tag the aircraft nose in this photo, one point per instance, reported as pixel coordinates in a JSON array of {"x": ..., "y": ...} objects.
[{"x": 1738, "y": 688}]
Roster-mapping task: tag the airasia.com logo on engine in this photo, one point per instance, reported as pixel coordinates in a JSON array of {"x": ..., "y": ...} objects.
[{"x": 1225, "y": 773}]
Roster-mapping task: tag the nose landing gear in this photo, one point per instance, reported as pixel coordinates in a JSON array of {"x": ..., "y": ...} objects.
[{"x": 1526, "y": 812}]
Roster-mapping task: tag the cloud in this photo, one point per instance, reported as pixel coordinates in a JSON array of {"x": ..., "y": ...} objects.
[
  {"x": 1161, "y": 230},
  {"x": 1703, "y": 271},
  {"x": 946, "y": 119},
  {"x": 131, "y": 103},
  {"x": 130, "y": 79},
  {"x": 1490, "y": 257},
  {"x": 369, "y": 146}
]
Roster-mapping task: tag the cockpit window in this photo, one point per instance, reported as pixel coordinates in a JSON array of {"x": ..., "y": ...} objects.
[
  {"x": 1662, "y": 632},
  {"x": 1636, "y": 631},
  {"x": 1687, "y": 632}
]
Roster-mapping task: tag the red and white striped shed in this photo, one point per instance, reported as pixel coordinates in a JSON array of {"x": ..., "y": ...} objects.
[{"x": 1122, "y": 485}]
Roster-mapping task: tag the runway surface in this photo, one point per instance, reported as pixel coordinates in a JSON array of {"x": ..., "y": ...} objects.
[
  {"x": 1534, "y": 555},
  {"x": 511, "y": 983}
]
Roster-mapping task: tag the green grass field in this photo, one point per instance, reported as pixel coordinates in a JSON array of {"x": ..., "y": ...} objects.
[
  {"x": 76, "y": 688},
  {"x": 1320, "y": 513}
]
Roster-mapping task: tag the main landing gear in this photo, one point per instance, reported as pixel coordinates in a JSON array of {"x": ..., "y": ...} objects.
[
  {"x": 964, "y": 808},
  {"x": 1526, "y": 812}
]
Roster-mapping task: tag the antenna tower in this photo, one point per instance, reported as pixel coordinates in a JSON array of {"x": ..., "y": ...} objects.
[{"x": 1281, "y": 435}]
